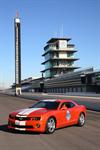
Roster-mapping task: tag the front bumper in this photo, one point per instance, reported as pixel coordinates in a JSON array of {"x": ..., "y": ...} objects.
[{"x": 36, "y": 126}]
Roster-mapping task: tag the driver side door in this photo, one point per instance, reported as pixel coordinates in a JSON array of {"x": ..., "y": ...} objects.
[{"x": 66, "y": 114}]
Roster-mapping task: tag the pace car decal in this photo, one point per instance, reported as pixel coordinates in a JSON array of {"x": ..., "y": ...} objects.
[
  {"x": 28, "y": 111},
  {"x": 68, "y": 115}
]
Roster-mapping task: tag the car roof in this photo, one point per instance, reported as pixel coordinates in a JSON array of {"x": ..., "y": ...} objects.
[{"x": 57, "y": 100}]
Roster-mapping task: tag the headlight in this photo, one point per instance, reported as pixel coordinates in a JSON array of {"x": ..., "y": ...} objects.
[
  {"x": 11, "y": 116},
  {"x": 36, "y": 118}
]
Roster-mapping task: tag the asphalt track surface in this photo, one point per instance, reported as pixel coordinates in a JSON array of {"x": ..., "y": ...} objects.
[{"x": 69, "y": 138}]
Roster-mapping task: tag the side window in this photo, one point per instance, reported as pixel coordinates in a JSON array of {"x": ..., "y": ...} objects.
[
  {"x": 63, "y": 105},
  {"x": 70, "y": 105}
]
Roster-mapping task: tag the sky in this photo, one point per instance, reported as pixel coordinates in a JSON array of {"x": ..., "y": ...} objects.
[{"x": 40, "y": 21}]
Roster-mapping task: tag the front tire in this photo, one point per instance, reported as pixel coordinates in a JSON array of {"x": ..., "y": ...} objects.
[
  {"x": 81, "y": 120},
  {"x": 50, "y": 125}
]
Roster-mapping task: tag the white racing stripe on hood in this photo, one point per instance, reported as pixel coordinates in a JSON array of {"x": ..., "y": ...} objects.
[{"x": 28, "y": 111}]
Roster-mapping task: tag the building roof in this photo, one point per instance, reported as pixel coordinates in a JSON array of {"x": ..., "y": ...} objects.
[
  {"x": 52, "y": 40},
  {"x": 71, "y": 75}
]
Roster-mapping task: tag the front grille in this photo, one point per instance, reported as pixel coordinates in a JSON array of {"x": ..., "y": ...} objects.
[
  {"x": 19, "y": 118},
  {"x": 22, "y": 118}
]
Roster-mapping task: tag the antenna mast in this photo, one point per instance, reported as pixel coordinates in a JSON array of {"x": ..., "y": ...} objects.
[
  {"x": 17, "y": 14},
  {"x": 62, "y": 31}
]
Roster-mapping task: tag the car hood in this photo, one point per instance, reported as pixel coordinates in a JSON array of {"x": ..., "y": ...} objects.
[{"x": 31, "y": 111}]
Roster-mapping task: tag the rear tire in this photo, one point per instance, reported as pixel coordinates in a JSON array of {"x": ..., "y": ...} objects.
[
  {"x": 50, "y": 125},
  {"x": 81, "y": 120}
]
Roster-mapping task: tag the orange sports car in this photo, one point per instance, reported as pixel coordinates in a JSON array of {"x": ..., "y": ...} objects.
[{"x": 48, "y": 115}]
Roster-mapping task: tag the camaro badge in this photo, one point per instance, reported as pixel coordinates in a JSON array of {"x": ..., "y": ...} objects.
[{"x": 68, "y": 115}]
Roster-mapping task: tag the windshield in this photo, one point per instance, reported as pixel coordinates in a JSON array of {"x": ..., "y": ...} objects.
[{"x": 46, "y": 104}]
